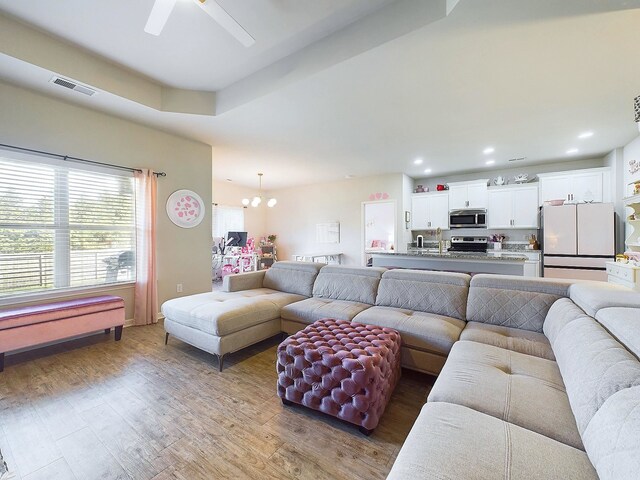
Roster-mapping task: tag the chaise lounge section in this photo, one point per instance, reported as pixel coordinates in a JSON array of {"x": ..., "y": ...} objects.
[{"x": 246, "y": 313}]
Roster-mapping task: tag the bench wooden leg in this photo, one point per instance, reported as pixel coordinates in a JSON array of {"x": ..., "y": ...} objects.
[
  {"x": 166, "y": 338},
  {"x": 118, "y": 332},
  {"x": 1, "y": 362},
  {"x": 107, "y": 331},
  {"x": 365, "y": 431}
]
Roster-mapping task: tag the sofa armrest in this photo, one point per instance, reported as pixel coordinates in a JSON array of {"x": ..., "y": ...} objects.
[{"x": 243, "y": 281}]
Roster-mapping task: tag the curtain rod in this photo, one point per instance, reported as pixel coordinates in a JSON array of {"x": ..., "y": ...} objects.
[{"x": 68, "y": 158}]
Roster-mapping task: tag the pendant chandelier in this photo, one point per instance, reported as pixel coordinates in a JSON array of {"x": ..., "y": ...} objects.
[{"x": 257, "y": 200}]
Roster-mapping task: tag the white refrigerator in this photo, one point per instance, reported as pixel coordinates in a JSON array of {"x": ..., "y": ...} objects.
[{"x": 578, "y": 240}]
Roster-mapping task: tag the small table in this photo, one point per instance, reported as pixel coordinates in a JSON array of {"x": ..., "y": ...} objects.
[
  {"x": 335, "y": 258},
  {"x": 344, "y": 369}
]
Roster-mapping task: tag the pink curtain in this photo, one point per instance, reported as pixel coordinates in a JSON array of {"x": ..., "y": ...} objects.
[{"x": 146, "y": 291}]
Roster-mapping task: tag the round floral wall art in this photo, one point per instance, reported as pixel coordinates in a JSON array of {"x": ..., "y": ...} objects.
[{"x": 185, "y": 208}]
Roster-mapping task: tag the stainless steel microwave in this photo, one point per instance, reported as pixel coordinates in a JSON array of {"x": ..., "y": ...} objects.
[{"x": 468, "y": 218}]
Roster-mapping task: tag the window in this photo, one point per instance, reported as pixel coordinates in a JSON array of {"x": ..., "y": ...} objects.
[
  {"x": 63, "y": 225},
  {"x": 227, "y": 219}
]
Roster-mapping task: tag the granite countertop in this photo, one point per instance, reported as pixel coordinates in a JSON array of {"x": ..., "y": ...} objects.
[{"x": 491, "y": 256}]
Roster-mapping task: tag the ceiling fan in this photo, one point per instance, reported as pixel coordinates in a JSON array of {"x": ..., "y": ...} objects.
[{"x": 162, "y": 9}]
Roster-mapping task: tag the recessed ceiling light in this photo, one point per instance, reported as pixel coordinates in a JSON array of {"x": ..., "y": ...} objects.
[
  {"x": 489, "y": 162},
  {"x": 418, "y": 161},
  {"x": 427, "y": 171},
  {"x": 488, "y": 150},
  {"x": 584, "y": 135},
  {"x": 572, "y": 151}
]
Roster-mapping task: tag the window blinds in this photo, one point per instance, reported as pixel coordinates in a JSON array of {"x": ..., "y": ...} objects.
[
  {"x": 63, "y": 227},
  {"x": 227, "y": 219}
]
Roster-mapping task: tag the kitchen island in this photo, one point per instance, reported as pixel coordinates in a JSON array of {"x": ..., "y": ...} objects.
[{"x": 505, "y": 263}]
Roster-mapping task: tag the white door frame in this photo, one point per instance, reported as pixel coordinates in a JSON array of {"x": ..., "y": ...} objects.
[{"x": 363, "y": 226}]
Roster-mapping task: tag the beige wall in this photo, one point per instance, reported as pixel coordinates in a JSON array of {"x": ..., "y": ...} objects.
[
  {"x": 230, "y": 194},
  {"x": 35, "y": 121},
  {"x": 299, "y": 209}
]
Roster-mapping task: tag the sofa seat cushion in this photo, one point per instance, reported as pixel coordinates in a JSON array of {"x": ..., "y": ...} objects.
[
  {"x": 517, "y": 388},
  {"x": 594, "y": 296},
  {"x": 624, "y": 325},
  {"x": 423, "y": 331},
  {"x": 452, "y": 442},
  {"x": 523, "y": 341},
  {"x": 312, "y": 309},
  {"x": 222, "y": 313},
  {"x": 612, "y": 439}
]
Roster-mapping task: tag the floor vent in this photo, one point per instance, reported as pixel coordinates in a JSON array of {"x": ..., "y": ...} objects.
[{"x": 71, "y": 85}]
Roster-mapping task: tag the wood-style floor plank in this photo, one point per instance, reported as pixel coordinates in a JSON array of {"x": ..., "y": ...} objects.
[{"x": 95, "y": 408}]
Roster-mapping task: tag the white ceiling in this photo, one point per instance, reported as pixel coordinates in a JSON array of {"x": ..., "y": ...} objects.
[
  {"x": 192, "y": 52},
  {"x": 525, "y": 77}
]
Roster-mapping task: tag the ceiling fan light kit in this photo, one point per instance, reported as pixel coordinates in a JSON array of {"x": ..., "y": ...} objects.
[{"x": 162, "y": 9}]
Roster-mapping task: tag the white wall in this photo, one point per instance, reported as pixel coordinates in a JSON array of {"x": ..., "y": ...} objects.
[
  {"x": 230, "y": 194},
  {"x": 510, "y": 172},
  {"x": 35, "y": 121},
  {"x": 299, "y": 209}
]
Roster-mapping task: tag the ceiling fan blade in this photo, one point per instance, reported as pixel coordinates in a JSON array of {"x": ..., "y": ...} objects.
[
  {"x": 159, "y": 16},
  {"x": 226, "y": 21}
]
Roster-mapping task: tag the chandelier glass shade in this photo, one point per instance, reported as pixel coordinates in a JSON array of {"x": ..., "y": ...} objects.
[{"x": 257, "y": 200}]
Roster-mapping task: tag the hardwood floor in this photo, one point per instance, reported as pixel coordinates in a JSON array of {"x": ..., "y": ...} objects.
[{"x": 97, "y": 409}]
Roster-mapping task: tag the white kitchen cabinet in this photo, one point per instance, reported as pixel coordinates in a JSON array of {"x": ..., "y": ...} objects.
[
  {"x": 430, "y": 210},
  {"x": 500, "y": 208},
  {"x": 513, "y": 206},
  {"x": 419, "y": 212},
  {"x": 576, "y": 186},
  {"x": 468, "y": 194}
]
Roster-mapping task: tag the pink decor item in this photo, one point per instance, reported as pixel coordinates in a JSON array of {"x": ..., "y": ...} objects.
[
  {"x": 146, "y": 288},
  {"x": 185, "y": 208},
  {"x": 378, "y": 196},
  {"x": 344, "y": 369}
]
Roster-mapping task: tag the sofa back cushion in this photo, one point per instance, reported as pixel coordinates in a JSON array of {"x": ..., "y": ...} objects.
[
  {"x": 624, "y": 325},
  {"x": 594, "y": 296},
  {"x": 512, "y": 301},
  {"x": 354, "y": 284},
  {"x": 594, "y": 366},
  {"x": 562, "y": 312},
  {"x": 292, "y": 277},
  {"x": 431, "y": 292},
  {"x": 612, "y": 439}
]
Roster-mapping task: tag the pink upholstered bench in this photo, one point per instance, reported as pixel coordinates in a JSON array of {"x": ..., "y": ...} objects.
[
  {"x": 29, "y": 326},
  {"x": 345, "y": 369}
]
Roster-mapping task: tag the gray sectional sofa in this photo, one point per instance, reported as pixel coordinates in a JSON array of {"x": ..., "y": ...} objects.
[{"x": 537, "y": 379}]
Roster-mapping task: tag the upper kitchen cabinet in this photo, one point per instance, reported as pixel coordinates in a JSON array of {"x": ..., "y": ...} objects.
[
  {"x": 576, "y": 186},
  {"x": 430, "y": 210},
  {"x": 468, "y": 194},
  {"x": 513, "y": 206}
]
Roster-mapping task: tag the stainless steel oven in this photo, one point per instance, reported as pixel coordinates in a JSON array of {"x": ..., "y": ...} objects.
[{"x": 468, "y": 218}]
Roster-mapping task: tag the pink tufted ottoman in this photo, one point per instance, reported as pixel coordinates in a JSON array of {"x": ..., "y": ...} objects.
[{"x": 341, "y": 368}]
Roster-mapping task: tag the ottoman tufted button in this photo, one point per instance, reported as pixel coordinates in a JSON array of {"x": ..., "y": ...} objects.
[{"x": 345, "y": 369}]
